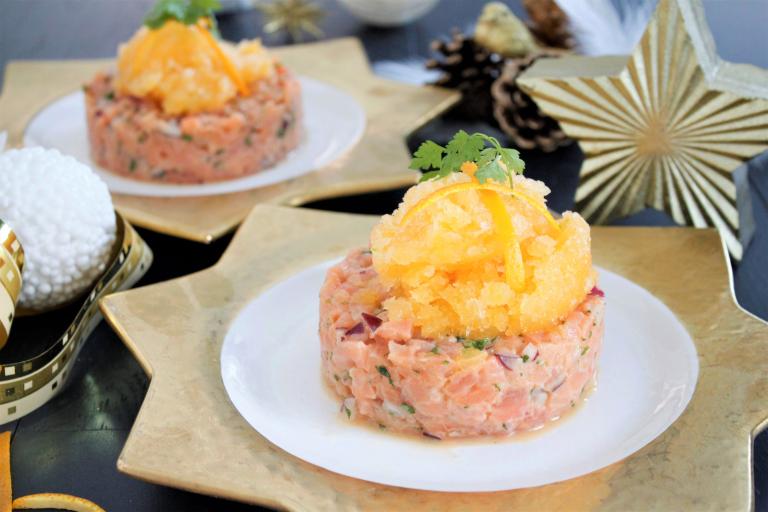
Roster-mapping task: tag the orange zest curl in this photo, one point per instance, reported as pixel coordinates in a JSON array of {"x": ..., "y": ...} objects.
[
  {"x": 229, "y": 66},
  {"x": 469, "y": 168},
  {"x": 514, "y": 271},
  {"x": 490, "y": 194}
]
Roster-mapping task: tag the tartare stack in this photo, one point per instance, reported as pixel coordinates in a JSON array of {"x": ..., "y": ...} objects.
[
  {"x": 473, "y": 312},
  {"x": 184, "y": 106}
]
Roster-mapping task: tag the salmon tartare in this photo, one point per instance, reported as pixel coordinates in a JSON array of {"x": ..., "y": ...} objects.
[
  {"x": 183, "y": 106},
  {"x": 472, "y": 313}
]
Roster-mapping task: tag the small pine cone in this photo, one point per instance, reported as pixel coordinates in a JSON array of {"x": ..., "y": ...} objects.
[
  {"x": 518, "y": 115},
  {"x": 549, "y": 24},
  {"x": 469, "y": 68}
]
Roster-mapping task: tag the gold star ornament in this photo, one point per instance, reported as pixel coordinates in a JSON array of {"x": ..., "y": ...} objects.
[
  {"x": 665, "y": 128},
  {"x": 292, "y": 16}
]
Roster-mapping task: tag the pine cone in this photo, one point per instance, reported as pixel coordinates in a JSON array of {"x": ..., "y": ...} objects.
[
  {"x": 549, "y": 24},
  {"x": 518, "y": 115},
  {"x": 470, "y": 68}
]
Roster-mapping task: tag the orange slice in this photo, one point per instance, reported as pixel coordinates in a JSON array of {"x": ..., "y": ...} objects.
[
  {"x": 56, "y": 501},
  {"x": 514, "y": 271},
  {"x": 229, "y": 66},
  {"x": 490, "y": 194},
  {"x": 463, "y": 187},
  {"x": 5, "y": 472},
  {"x": 469, "y": 168}
]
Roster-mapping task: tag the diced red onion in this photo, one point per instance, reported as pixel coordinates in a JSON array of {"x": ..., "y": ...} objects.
[
  {"x": 531, "y": 351},
  {"x": 358, "y": 328},
  {"x": 508, "y": 361},
  {"x": 372, "y": 321},
  {"x": 431, "y": 436},
  {"x": 597, "y": 291}
]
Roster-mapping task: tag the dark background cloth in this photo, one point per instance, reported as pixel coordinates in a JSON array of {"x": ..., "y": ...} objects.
[{"x": 71, "y": 444}]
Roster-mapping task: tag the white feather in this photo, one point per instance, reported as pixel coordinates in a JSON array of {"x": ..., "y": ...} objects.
[
  {"x": 602, "y": 29},
  {"x": 410, "y": 71}
]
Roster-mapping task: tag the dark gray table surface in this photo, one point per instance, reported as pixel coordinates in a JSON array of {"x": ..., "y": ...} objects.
[{"x": 71, "y": 444}]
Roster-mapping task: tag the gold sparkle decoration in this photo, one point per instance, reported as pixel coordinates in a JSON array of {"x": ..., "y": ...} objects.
[
  {"x": 665, "y": 128},
  {"x": 292, "y": 16}
]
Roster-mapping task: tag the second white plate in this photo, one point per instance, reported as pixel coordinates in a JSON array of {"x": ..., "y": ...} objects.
[
  {"x": 333, "y": 123},
  {"x": 270, "y": 364}
]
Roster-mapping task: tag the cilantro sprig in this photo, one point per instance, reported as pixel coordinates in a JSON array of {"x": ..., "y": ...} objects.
[
  {"x": 185, "y": 11},
  {"x": 479, "y": 344},
  {"x": 494, "y": 162}
]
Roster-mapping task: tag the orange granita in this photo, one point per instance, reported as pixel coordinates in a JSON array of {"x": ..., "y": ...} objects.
[
  {"x": 186, "y": 69},
  {"x": 444, "y": 266}
]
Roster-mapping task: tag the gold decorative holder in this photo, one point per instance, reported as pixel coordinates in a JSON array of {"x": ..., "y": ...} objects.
[
  {"x": 28, "y": 384},
  {"x": 379, "y": 161},
  {"x": 188, "y": 434},
  {"x": 665, "y": 127},
  {"x": 11, "y": 265}
]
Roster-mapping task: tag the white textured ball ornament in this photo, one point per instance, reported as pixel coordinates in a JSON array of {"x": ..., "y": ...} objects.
[{"x": 63, "y": 216}]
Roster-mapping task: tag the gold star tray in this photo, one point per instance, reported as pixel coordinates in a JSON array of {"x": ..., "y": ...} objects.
[
  {"x": 189, "y": 435},
  {"x": 379, "y": 161}
]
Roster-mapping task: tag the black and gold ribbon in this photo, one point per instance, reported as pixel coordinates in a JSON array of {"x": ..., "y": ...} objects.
[
  {"x": 11, "y": 265},
  {"x": 27, "y": 384}
]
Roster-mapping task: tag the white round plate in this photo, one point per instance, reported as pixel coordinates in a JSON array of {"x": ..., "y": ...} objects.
[
  {"x": 270, "y": 364},
  {"x": 333, "y": 123}
]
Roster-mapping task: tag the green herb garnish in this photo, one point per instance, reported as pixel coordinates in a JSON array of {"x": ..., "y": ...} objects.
[
  {"x": 439, "y": 161},
  {"x": 409, "y": 408},
  {"x": 132, "y": 165},
  {"x": 187, "y": 137},
  {"x": 585, "y": 350},
  {"x": 435, "y": 350},
  {"x": 110, "y": 96},
  {"x": 383, "y": 371},
  {"x": 525, "y": 358},
  {"x": 185, "y": 11},
  {"x": 479, "y": 344}
]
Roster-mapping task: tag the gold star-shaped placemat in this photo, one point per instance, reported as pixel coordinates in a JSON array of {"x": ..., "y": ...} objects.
[
  {"x": 665, "y": 128},
  {"x": 379, "y": 161},
  {"x": 189, "y": 435}
]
